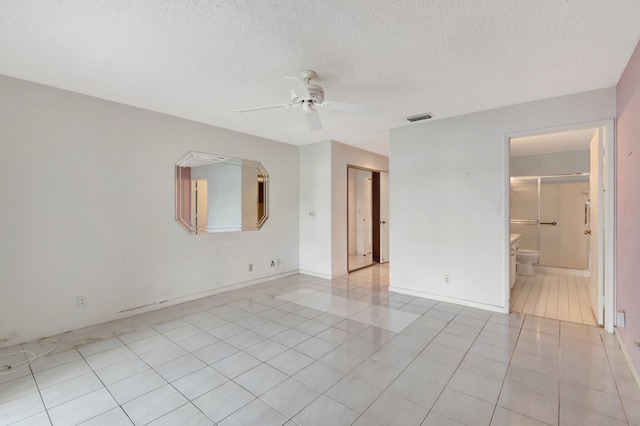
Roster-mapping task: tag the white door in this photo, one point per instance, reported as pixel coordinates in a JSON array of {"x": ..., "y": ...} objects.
[
  {"x": 384, "y": 217},
  {"x": 594, "y": 226}
]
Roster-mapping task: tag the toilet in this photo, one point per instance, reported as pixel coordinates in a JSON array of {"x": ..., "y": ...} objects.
[{"x": 525, "y": 260}]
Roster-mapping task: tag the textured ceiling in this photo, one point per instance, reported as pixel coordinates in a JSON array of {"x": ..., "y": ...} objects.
[
  {"x": 574, "y": 140},
  {"x": 202, "y": 59}
]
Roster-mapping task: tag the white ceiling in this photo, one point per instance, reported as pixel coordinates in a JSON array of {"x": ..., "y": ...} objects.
[
  {"x": 202, "y": 59},
  {"x": 574, "y": 140}
]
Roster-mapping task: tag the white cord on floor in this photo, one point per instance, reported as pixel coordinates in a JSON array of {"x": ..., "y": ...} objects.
[{"x": 31, "y": 356}]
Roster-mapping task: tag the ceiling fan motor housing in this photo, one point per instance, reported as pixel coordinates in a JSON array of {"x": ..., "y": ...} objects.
[{"x": 316, "y": 95}]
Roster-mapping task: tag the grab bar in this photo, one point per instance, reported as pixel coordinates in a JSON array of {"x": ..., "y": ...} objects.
[
  {"x": 525, "y": 221},
  {"x": 554, "y": 223}
]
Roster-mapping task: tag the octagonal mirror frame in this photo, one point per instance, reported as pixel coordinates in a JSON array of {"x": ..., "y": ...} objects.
[{"x": 216, "y": 193}]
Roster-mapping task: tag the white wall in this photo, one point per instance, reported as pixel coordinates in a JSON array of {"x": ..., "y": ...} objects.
[
  {"x": 88, "y": 196},
  {"x": 315, "y": 209},
  {"x": 558, "y": 163},
  {"x": 448, "y": 197},
  {"x": 323, "y": 190}
]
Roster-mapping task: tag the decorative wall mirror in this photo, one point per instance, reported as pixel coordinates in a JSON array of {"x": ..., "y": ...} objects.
[{"x": 215, "y": 193}]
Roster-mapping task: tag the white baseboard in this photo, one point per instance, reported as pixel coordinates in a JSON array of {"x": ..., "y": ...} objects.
[
  {"x": 230, "y": 287},
  {"x": 189, "y": 298},
  {"x": 627, "y": 356},
  {"x": 315, "y": 274},
  {"x": 144, "y": 309},
  {"x": 486, "y": 307}
]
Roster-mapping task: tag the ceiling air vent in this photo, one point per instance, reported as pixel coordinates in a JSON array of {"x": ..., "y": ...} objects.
[{"x": 425, "y": 116}]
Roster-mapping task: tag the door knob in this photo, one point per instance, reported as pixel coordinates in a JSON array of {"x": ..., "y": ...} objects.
[
  {"x": 382, "y": 222},
  {"x": 587, "y": 232}
]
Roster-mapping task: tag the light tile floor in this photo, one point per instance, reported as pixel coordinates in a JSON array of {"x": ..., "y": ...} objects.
[
  {"x": 308, "y": 351},
  {"x": 555, "y": 293},
  {"x": 357, "y": 261}
]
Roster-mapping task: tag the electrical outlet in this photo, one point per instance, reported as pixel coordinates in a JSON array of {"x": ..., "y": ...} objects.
[
  {"x": 620, "y": 319},
  {"x": 81, "y": 301},
  {"x": 447, "y": 279},
  {"x": 250, "y": 267}
]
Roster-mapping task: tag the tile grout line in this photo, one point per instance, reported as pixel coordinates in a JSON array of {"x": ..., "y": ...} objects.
[
  {"x": 606, "y": 354},
  {"x": 327, "y": 287},
  {"x": 508, "y": 365},
  {"x": 39, "y": 392}
]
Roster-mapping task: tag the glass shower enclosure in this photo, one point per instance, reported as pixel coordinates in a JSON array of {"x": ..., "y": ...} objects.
[{"x": 548, "y": 211}]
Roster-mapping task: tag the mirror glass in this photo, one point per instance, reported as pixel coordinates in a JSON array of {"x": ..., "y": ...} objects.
[
  {"x": 215, "y": 193},
  {"x": 360, "y": 216}
]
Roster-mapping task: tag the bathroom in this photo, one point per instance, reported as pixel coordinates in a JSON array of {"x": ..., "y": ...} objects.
[{"x": 551, "y": 212}]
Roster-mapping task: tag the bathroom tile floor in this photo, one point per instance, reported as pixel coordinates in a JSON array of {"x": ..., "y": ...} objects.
[
  {"x": 555, "y": 293},
  {"x": 308, "y": 351}
]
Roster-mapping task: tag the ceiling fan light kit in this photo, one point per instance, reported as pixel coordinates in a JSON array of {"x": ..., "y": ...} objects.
[{"x": 308, "y": 96}]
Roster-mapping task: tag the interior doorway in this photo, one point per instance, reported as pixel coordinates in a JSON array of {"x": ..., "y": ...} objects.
[
  {"x": 367, "y": 217},
  {"x": 561, "y": 223}
]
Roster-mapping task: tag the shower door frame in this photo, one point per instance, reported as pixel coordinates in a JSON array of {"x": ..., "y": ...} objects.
[{"x": 539, "y": 179}]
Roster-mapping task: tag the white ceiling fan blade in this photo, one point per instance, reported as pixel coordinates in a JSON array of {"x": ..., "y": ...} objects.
[
  {"x": 265, "y": 107},
  {"x": 299, "y": 88},
  {"x": 313, "y": 119},
  {"x": 355, "y": 108}
]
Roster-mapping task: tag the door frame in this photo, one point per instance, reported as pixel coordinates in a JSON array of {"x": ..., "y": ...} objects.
[
  {"x": 366, "y": 169},
  {"x": 609, "y": 255}
]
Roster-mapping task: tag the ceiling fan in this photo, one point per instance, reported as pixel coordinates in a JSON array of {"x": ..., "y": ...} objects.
[{"x": 310, "y": 97}]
